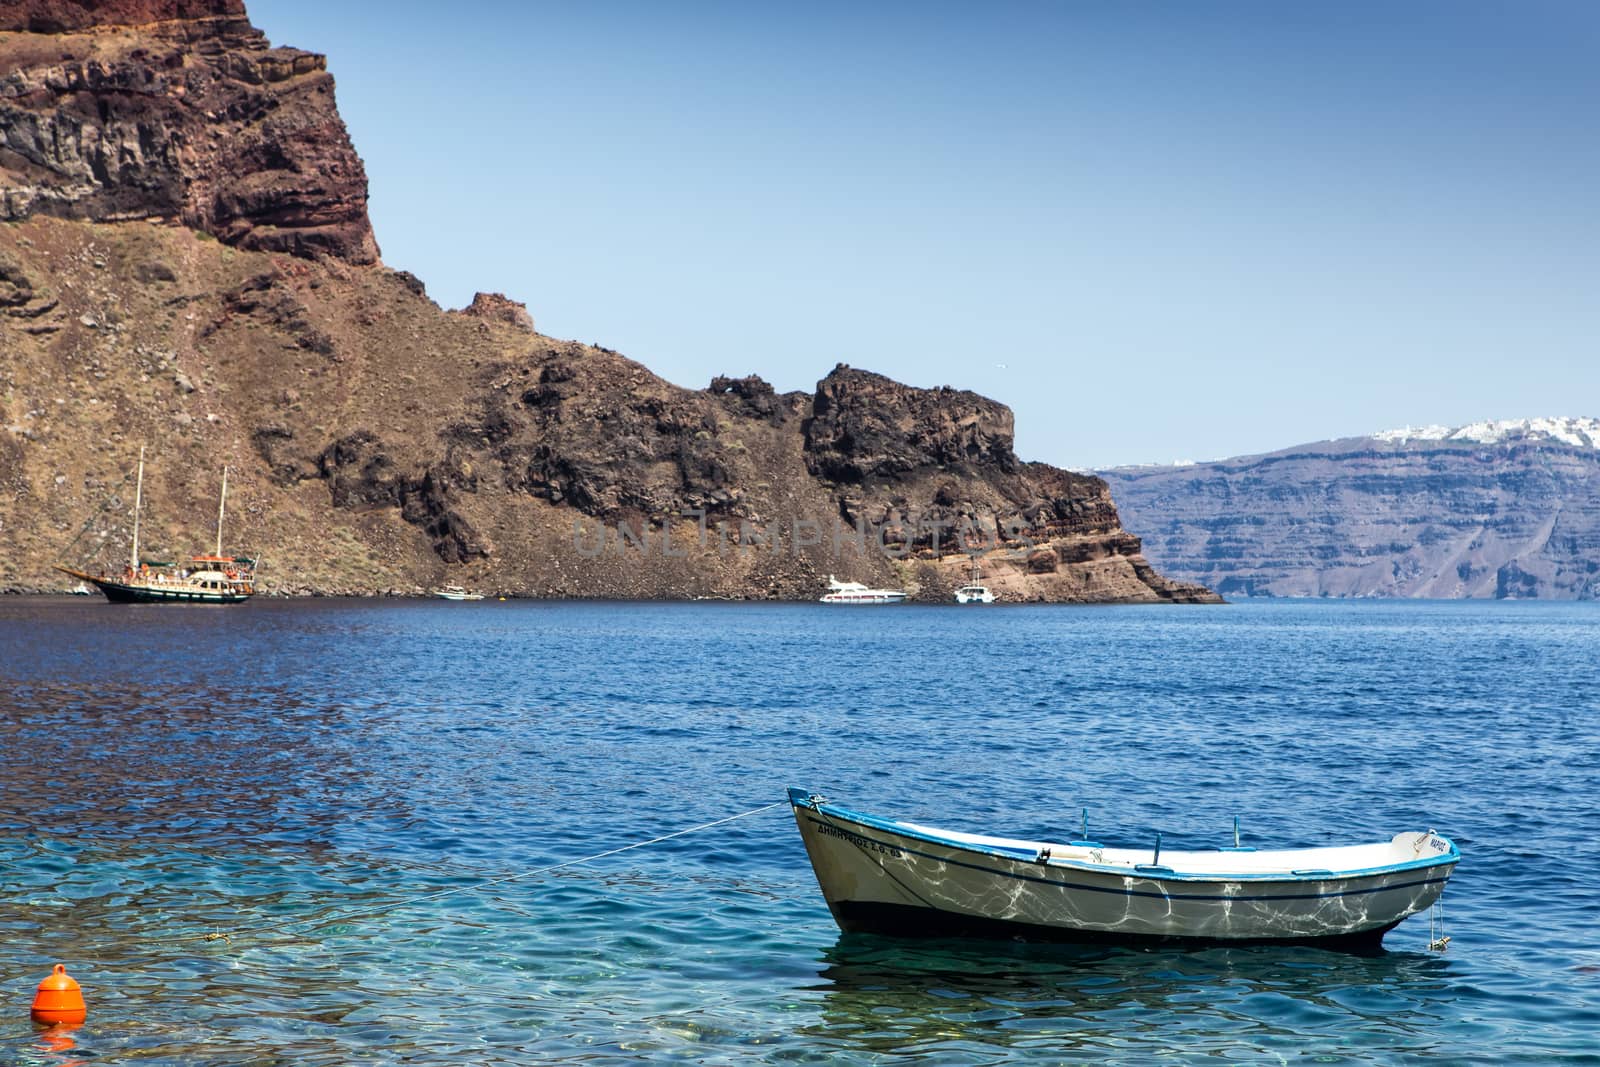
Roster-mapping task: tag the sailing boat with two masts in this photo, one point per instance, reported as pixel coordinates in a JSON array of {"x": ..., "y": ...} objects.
[{"x": 213, "y": 579}]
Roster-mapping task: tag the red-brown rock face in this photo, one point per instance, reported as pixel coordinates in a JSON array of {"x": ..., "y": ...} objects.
[
  {"x": 496, "y": 307},
  {"x": 192, "y": 116},
  {"x": 61, "y": 16}
]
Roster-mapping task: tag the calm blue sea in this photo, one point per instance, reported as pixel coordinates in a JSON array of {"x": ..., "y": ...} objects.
[{"x": 301, "y": 775}]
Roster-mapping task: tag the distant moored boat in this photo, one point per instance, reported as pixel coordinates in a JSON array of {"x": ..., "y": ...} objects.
[
  {"x": 856, "y": 593},
  {"x": 209, "y": 579},
  {"x": 975, "y": 592}
]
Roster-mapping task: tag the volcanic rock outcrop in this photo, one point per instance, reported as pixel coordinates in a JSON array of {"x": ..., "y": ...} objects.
[
  {"x": 180, "y": 109},
  {"x": 1497, "y": 509},
  {"x": 186, "y": 264}
]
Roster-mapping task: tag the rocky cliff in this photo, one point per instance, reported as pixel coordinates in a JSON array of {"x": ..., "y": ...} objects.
[
  {"x": 186, "y": 264},
  {"x": 1495, "y": 509},
  {"x": 176, "y": 109}
]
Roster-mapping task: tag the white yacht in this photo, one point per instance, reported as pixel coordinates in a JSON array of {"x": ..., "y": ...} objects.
[
  {"x": 975, "y": 592},
  {"x": 856, "y": 593},
  {"x": 455, "y": 592}
]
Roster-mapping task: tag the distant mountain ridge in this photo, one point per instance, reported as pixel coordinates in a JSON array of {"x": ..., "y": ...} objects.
[{"x": 1504, "y": 508}]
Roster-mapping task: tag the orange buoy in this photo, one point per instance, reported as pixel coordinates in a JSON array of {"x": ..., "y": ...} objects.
[{"x": 59, "y": 999}]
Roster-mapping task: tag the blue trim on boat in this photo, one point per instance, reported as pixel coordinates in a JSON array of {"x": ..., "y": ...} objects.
[{"x": 803, "y": 799}]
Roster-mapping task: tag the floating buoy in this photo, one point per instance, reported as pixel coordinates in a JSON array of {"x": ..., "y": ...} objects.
[{"x": 59, "y": 999}]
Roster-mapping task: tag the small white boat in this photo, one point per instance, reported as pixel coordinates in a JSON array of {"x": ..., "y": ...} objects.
[
  {"x": 455, "y": 592},
  {"x": 856, "y": 593},
  {"x": 975, "y": 592},
  {"x": 884, "y": 876}
]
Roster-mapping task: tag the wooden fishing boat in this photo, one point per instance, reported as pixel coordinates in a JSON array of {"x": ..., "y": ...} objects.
[
  {"x": 890, "y": 877},
  {"x": 204, "y": 579}
]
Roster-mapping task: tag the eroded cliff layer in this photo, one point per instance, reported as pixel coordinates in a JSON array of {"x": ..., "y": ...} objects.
[
  {"x": 176, "y": 109},
  {"x": 1503, "y": 509},
  {"x": 186, "y": 264}
]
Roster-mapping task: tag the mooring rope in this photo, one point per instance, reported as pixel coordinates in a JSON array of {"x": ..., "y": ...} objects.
[
  {"x": 472, "y": 887},
  {"x": 1438, "y": 940},
  {"x": 111, "y": 499}
]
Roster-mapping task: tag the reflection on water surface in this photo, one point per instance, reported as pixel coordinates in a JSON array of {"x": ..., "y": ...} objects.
[{"x": 300, "y": 776}]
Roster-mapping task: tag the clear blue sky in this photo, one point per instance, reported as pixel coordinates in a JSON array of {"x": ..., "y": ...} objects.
[{"x": 1158, "y": 231}]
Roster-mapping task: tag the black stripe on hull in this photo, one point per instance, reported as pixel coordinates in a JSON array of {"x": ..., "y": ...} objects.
[{"x": 911, "y": 921}]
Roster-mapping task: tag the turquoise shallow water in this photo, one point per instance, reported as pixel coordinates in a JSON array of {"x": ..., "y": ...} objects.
[{"x": 263, "y": 770}]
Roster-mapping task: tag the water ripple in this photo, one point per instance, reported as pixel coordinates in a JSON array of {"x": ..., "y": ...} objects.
[{"x": 301, "y": 775}]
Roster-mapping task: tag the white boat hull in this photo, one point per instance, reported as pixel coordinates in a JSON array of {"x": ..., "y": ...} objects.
[
  {"x": 856, "y": 593},
  {"x": 897, "y": 878},
  {"x": 861, "y": 598}
]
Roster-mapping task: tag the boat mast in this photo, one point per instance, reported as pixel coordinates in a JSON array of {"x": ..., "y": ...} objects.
[
  {"x": 222, "y": 503},
  {"x": 138, "y": 502}
]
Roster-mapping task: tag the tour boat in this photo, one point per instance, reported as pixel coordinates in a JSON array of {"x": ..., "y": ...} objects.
[
  {"x": 900, "y": 878},
  {"x": 455, "y": 592},
  {"x": 213, "y": 579},
  {"x": 856, "y": 593},
  {"x": 975, "y": 592}
]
